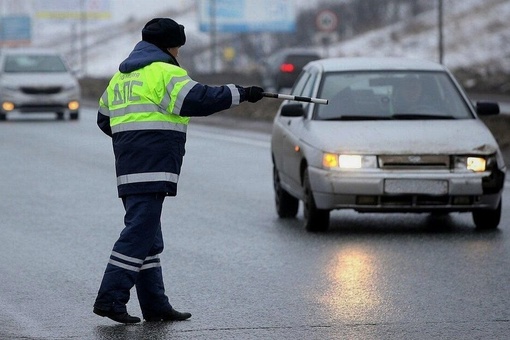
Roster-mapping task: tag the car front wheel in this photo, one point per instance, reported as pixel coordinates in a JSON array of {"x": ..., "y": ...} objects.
[
  {"x": 487, "y": 219},
  {"x": 286, "y": 205},
  {"x": 316, "y": 220}
]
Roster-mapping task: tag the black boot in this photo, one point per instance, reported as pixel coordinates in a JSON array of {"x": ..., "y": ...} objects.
[
  {"x": 171, "y": 315},
  {"x": 122, "y": 317}
]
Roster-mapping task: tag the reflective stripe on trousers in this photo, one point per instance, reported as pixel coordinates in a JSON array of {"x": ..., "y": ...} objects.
[
  {"x": 135, "y": 258},
  {"x": 148, "y": 177}
]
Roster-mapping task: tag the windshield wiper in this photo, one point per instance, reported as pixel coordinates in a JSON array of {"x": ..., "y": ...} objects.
[
  {"x": 353, "y": 117},
  {"x": 420, "y": 116}
]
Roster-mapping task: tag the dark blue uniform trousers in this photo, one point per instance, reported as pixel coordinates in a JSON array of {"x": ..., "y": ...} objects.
[{"x": 135, "y": 259}]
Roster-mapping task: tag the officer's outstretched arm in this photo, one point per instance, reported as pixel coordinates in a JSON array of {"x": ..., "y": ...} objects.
[{"x": 204, "y": 100}]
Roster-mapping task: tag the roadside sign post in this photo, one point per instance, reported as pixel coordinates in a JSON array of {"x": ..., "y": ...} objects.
[{"x": 326, "y": 22}]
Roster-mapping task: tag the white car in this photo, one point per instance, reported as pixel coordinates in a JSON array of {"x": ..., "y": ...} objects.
[
  {"x": 34, "y": 80},
  {"x": 398, "y": 135}
]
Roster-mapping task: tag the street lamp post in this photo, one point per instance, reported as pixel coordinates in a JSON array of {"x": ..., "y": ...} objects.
[
  {"x": 440, "y": 29},
  {"x": 212, "y": 16},
  {"x": 83, "y": 24}
]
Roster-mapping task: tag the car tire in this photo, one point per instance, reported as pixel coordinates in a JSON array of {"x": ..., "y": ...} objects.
[
  {"x": 316, "y": 220},
  {"x": 60, "y": 115},
  {"x": 3, "y": 116},
  {"x": 286, "y": 205},
  {"x": 74, "y": 116},
  {"x": 487, "y": 219}
]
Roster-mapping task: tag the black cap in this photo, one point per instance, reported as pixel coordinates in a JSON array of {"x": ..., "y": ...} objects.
[{"x": 164, "y": 33}]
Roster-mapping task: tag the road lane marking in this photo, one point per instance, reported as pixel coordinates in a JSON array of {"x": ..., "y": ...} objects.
[{"x": 237, "y": 136}]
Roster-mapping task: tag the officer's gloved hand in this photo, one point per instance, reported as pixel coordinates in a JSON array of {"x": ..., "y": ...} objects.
[{"x": 253, "y": 93}]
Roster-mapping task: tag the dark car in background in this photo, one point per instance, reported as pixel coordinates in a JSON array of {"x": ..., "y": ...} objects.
[
  {"x": 281, "y": 69},
  {"x": 36, "y": 81}
]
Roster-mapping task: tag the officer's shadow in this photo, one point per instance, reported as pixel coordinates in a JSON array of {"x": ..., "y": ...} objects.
[{"x": 139, "y": 331}]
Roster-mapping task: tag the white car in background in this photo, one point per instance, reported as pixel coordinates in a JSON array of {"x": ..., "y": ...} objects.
[
  {"x": 35, "y": 81},
  {"x": 398, "y": 135}
]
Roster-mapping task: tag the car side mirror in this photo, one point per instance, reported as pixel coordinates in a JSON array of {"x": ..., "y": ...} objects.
[
  {"x": 487, "y": 108},
  {"x": 292, "y": 110}
]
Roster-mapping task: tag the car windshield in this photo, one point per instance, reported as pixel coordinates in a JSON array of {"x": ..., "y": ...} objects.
[
  {"x": 34, "y": 63},
  {"x": 387, "y": 95}
]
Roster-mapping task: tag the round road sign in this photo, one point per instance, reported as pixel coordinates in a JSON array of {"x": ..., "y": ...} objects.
[{"x": 326, "y": 21}]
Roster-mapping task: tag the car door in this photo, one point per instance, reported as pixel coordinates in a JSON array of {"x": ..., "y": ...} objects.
[
  {"x": 280, "y": 145},
  {"x": 293, "y": 132}
]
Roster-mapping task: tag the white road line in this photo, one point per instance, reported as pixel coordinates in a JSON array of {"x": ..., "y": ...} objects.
[{"x": 233, "y": 136}]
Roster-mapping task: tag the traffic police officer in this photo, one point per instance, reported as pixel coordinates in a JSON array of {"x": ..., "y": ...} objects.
[{"x": 145, "y": 110}]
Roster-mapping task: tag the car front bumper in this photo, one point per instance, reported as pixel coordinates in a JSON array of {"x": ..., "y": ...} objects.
[
  {"x": 28, "y": 103},
  {"x": 424, "y": 191}
]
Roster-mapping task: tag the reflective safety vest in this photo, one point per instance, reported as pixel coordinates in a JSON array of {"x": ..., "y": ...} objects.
[
  {"x": 148, "y": 98},
  {"x": 148, "y": 133}
]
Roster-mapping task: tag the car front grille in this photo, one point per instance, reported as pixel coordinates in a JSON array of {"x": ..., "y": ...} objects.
[
  {"x": 432, "y": 162},
  {"x": 41, "y": 90},
  {"x": 414, "y": 202}
]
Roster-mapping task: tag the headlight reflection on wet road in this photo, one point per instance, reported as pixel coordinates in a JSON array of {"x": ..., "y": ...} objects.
[{"x": 353, "y": 292}]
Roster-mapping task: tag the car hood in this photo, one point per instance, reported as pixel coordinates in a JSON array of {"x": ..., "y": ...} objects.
[
  {"x": 402, "y": 137},
  {"x": 37, "y": 79}
]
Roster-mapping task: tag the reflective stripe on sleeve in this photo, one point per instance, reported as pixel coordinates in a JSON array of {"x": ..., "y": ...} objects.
[
  {"x": 148, "y": 177},
  {"x": 104, "y": 98},
  {"x": 103, "y": 102},
  {"x": 181, "y": 95},
  {"x": 104, "y": 111},
  {"x": 236, "y": 96},
  {"x": 170, "y": 88}
]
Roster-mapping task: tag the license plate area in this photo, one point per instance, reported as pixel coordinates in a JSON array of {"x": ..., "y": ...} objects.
[{"x": 415, "y": 186}]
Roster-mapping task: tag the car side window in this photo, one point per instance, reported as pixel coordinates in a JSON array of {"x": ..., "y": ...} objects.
[
  {"x": 308, "y": 87},
  {"x": 308, "y": 90},
  {"x": 300, "y": 83},
  {"x": 304, "y": 86}
]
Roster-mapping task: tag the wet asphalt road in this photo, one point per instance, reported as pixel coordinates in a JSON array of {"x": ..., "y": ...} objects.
[{"x": 241, "y": 272}]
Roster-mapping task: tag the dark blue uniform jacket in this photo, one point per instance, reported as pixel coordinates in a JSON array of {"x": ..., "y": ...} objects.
[{"x": 159, "y": 151}]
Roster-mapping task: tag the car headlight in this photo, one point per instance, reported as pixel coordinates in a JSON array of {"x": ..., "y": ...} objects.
[
  {"x": 8, "y": 106},
  {"x": 345, "y": 162},
  {"x": 73, "y": 105},
  {"x": 474, "y": 163}
]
